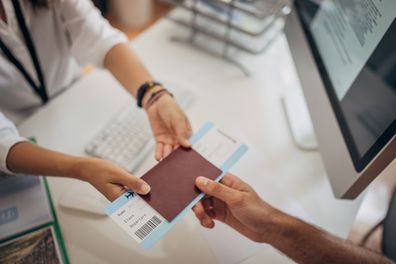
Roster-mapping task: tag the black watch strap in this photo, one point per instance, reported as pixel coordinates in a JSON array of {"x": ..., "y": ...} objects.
[{"x": 143, "y": 89}]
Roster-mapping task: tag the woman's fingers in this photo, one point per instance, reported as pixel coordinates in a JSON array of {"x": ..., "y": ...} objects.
[
  {"x": 113, "y": 191},
  {"x": 167, "y": 150},
  {"x": 182, "y": 130},
  {"x": 159, "y": 151},
  {"x": 135, "y": 184}
]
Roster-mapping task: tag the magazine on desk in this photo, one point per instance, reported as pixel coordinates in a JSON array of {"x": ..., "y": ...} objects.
[{"x": 29, "y": 230}]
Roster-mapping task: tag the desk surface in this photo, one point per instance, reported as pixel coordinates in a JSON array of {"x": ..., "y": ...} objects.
[{"x": 223, "y": 95}]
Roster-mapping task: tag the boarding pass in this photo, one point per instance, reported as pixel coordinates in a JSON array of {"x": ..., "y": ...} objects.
[{"x": 143, "y": 223}]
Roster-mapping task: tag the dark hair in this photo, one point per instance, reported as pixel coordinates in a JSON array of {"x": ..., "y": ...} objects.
[{"x": 40, "y": 3}]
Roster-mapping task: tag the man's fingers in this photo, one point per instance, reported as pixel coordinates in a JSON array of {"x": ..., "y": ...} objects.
[
  {"x": 199, "y": 211},
  {"x": 234, "y": 182},
  {"x": 208, "y": 223},
  {"x": 202, "y": 216},
  {"x": 207, "y": 204},
  {"x": 217, "y": 190},
  {"x": 136, "y": 185}
]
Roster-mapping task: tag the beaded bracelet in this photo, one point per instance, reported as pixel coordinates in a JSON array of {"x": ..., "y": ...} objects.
[{"x": 155, "y": 96}]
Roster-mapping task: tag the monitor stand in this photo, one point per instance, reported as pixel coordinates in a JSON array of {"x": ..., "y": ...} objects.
[{"x": 299, "y": 120}]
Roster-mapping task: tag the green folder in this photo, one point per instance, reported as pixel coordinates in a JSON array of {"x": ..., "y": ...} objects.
[
  {"x": 29, "y": 228},
  {"x": 28, "y": 222}
]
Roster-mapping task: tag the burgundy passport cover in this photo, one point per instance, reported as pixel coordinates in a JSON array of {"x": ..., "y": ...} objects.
[{"x": 172, "y": 181}]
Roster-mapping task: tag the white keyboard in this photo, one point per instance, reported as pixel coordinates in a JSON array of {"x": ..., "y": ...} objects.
[{"x": 128, "y": 139}]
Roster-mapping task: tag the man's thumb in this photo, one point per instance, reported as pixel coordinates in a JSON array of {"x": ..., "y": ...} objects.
[{"x": 215, "y": 189}]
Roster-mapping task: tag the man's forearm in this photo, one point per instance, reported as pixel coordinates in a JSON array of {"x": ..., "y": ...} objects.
[
  {"x": 126, "y": 67},
  {"x": 28, "y": 158},
  {"x": 307, "y": 244}
]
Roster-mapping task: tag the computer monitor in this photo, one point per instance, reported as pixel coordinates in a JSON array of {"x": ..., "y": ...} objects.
[{"x": 345, "y": 57}]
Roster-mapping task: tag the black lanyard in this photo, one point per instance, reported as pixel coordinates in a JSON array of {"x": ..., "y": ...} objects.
[{"x": 40, "y": 90}]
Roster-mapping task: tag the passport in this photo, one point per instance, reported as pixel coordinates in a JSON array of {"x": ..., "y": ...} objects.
[{"x": 172, "y": 181}]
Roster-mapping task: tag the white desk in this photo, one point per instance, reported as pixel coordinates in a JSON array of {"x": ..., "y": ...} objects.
[{"x": 224, "y": 96}]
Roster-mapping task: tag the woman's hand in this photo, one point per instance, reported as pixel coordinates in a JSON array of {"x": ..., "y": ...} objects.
[
  {"x": 236, "y": 204},
  {"x": 109, "y": 179},
  {"x": 106, "y": 177},
  {"x": 170, "y": 126},
  {"x": 168, "y": 122}
]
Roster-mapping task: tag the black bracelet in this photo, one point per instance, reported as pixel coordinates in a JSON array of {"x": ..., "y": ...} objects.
[{"x": 143, "y": 90}]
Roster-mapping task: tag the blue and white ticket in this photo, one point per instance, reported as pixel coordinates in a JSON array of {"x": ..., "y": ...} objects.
[{"x": 144, "y": 223}]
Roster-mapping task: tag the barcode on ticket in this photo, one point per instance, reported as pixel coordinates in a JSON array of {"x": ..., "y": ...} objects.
[{"x": 148, "y": 227}]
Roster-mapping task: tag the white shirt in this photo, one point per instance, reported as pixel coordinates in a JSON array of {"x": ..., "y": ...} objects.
[{"x": 68, "y": 34}]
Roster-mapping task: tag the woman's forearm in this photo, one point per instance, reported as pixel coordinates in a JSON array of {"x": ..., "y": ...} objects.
[
  {"x": 105, "y": 176},
  {"x": 126, "y": 67},
  {"x": 28, "y": 158}
]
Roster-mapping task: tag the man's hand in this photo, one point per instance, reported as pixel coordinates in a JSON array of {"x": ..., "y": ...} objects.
[
  {"x": 170, "y": 126},
  {"x": 235, "y": 203},
  {"x": 109, "y": 179}
]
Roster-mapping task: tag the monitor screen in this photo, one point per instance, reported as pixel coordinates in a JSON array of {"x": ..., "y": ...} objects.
[{"x": 354, "y": 46}]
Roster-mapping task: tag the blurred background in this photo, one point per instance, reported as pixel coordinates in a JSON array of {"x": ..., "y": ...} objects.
[{"x": 132, "y": 16}]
